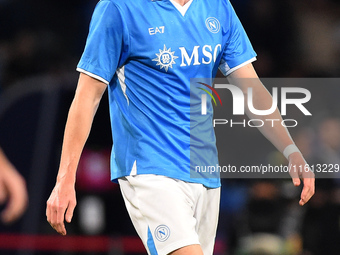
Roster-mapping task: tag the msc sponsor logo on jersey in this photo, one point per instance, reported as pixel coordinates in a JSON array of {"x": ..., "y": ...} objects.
[
  {"x": 165, "y": 58},
  {"x": 199, "y": 55},
  {"x": 213, "y": 25}
]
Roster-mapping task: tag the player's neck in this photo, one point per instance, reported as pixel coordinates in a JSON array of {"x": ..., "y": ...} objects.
[{"x": 181, "y": 2}]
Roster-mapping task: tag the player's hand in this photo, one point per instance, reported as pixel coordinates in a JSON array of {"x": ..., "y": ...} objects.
[
  {"x": 60, "y": 205},
  {"x": 299, "y": 170},
  {"x": 13, "y": 191}
]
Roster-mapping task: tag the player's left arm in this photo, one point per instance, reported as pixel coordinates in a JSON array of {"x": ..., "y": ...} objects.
[{"x": 278, "y": 135}]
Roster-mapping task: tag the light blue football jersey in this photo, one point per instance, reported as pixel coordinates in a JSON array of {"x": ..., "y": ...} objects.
[{"x": 147, "y": 52}]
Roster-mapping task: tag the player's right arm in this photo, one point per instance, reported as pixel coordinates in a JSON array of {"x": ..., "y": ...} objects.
[{"x": 62, "y": 200}]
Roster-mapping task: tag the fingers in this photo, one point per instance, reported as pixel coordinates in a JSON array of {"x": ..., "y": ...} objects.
[
  {"x": 48, "y": 213},
  {"x": 59, "y": 214},
  {"x": 299, "y": 169},
  {"x": 69, "y": 212},
  {"x": 3, "y": 192},
  {"x": 296, "y": 181},
  {"x": 60, "y": 207},
  {"x": 17, "y": 198},
  {"x": 15, "y": 208},
  {"x": 55, "y": 215},
  {"x": 307, "y": 191},
  {"x": 295, "y": 175}
]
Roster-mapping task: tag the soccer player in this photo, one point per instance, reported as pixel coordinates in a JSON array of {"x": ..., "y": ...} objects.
[{"x": 145, "y": 52}]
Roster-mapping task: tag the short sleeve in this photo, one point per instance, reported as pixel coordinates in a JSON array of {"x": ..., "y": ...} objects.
[
  {"x": 238, "y": 50},
  {"x": 104, "y": 49}
]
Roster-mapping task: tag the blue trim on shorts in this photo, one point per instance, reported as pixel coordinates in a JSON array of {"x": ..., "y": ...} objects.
[{"x": 151, "y": 244}]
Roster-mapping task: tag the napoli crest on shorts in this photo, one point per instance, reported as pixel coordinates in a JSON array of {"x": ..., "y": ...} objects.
[
  {"x": 165, "y": 58},
  {"x": 162, "y": 233},
  {"x": 213, "y": 24}
]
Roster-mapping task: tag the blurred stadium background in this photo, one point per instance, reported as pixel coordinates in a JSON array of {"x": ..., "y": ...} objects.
[{"x": 40, "y": 44}]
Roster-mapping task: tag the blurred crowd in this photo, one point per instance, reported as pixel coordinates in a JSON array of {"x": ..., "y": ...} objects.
[{"x": 293, "y": 38}]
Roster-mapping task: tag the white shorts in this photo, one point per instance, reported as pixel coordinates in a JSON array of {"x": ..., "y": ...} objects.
[{"x": 169, "y": 214}]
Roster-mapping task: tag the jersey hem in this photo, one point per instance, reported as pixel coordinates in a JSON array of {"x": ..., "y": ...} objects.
[
  {"x": 97, "y": 77},
  {"x": 226, "y": 73},
  {"x": 210, "y": 185}
]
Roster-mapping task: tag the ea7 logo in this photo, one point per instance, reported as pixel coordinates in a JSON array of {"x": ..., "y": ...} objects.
[
  {"x": 155, "y": 30},
  {"x": 239, "y": 100}
]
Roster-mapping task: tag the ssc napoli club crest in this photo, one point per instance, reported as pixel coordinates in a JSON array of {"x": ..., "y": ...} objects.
[
  {"x": 213, "y": 25},
  {"x": 162, "y": 233}
]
